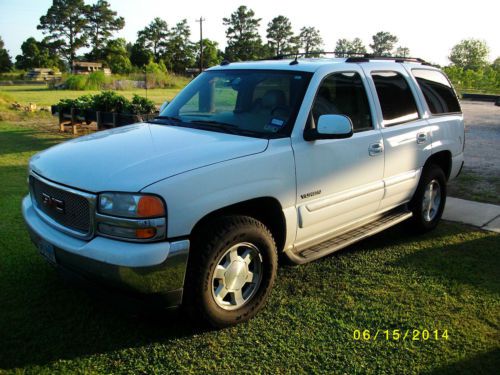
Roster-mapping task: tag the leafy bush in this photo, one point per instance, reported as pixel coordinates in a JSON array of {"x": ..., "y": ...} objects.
[
  {"x": 95, "y": 81},
  {"x": 140, "y": 105},
  {"x": 82, "y": 103},
  {"x": 92, "y": 81},
  {"x": 109, "y": 101},
  {"x": 482, "y": 80},
  {"x": 76, "y": 82}
]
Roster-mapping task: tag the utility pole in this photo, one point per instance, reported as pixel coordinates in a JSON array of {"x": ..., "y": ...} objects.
[{"x": 201, "y": 42}]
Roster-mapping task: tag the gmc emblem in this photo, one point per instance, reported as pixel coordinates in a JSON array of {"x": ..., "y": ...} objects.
[{"x": 53, "y": 203}]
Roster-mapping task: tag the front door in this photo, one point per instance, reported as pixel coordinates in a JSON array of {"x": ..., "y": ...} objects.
[{"x": 339, "y": 181}]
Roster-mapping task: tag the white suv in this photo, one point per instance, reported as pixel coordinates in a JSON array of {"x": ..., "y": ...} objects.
[{"x": 251, "y": 160}]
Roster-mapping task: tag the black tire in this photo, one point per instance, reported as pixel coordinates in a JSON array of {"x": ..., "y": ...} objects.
[
  {"x": 209, "y": 247},
  {"x": 422, "y": 222}
]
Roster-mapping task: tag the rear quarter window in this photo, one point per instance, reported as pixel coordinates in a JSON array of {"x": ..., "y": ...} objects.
[
  {"x": 437, "y": 90},
  {"x": 395, "y": 97}
]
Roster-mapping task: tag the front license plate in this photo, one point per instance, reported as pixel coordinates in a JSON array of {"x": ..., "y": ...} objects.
[{"x": 47, "y": 250}]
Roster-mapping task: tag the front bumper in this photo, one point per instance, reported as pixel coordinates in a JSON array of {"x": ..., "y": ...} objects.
[{"x": 155, "y": 269}]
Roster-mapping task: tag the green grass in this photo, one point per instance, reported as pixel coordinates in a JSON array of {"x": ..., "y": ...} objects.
[
  {"x": 43, "y": 96},
  {"x": 447, "y": 279},
  {"x": 473, "y": 186}
]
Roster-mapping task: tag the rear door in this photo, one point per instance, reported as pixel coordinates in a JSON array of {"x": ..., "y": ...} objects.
[
  {"x": 339, "y": 181},
  {"x": 406, "y": 134}
]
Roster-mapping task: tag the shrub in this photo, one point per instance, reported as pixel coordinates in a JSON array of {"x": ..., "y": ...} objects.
[
  {"x": 92, "y": 81},
  {"x": 95, "y": 81},
  {"x": 140, "y": 105},
  {"x": 82, "y": 103},
  {"x": 76, "y": 82},
  {"x": 110, "y": 101}
]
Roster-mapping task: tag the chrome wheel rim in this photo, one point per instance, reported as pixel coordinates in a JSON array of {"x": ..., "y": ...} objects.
[
  {"x": 432, "y": 200},
  {"x": 237, "y": 276}
]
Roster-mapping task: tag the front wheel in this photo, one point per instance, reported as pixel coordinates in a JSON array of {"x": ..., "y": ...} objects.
[
  {"x": 231, "y": 272},
  {"x": 429, "y": 200}
]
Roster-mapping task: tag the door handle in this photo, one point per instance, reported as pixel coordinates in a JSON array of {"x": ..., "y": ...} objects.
[
  {"x": 375, "y": 149},
  {"x": 421, "y": 138}
]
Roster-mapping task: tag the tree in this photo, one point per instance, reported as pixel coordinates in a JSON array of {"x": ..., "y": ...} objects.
[
  {"x": 5, "y": 62},
  {"x": 154, "y": 37},
  {"x": 310, "y": 39},
  {"x": 243, "y": 39},
  {"x": 102, "y": 23},
  {"x": 36, "y": 54},
  {"x": 402, "y": 51},
  {"x": 180, "y": 52},
  {"x": 140, "y": 56},
  {"x": 383, "y": 43},
  {"x": 470, "y": 54},
  {"x": 358, "y": 46},
  {"x": 66, "y": 26},
  {"x": 496, "y": 64},
  {"x": 355, "y": 46},
  {"x": 212, "y": 55},
  {"x": 280, "y": 35},
  {"x": 116, "y": 56}
]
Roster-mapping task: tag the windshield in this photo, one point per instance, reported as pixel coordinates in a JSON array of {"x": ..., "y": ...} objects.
[{"x": 248, "y": 102}]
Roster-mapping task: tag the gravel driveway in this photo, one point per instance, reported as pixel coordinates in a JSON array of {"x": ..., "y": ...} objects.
[
  {"x": 482, "y": 137},
  {"x": 480, "y": 179}
]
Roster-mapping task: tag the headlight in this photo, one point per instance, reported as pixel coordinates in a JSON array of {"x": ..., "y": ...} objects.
[
  {"x": 136, "y": 217},
  {"x": 131, "y": 205}
]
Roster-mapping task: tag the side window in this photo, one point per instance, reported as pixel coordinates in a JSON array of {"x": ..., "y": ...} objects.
[
  {"x": 343, "y": 94},
  {"x": 437, "y": 91},
  {"x": 395, "y": 97}
]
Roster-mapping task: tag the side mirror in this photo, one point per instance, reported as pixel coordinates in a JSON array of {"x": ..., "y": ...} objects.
[
  {"x": 162, "y": 107},
  {"x": 330, "y": 127}
]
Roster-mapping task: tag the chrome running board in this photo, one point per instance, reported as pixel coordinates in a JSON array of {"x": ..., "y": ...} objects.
[{"x": 345, "y": 239}]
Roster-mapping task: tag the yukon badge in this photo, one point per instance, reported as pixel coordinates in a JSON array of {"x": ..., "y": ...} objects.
[{"x": 310, "y": 194}]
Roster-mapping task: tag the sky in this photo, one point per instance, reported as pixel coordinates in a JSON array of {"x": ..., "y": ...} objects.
[{"x": 430, "y": 28}]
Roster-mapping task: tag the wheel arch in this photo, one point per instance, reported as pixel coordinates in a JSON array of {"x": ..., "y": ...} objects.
[
  {"x": 441, "y": 159},
  {"x": 267, "y": 210}
]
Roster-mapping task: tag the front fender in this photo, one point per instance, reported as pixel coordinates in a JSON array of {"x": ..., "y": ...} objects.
[{"x": 194, "y": 194}]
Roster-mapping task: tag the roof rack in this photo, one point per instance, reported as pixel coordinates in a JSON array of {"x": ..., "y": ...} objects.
[
  {"x": 399, "y": 59},
  {"x": 352, "y": 57}
]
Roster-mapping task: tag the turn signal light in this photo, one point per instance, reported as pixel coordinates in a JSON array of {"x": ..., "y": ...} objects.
[
  {"x": 150, "y": 206},
  {"x": 145, "y": 233}
]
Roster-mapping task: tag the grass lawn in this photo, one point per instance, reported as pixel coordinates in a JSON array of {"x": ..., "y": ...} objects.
[
  {"x": 445, "y": 280},
  {"x": 473, "y": 186},
  {"x": 43, "y": 96}
]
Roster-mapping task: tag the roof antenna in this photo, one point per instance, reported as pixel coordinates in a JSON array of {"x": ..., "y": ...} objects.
[{"x": 295, "y": 62}]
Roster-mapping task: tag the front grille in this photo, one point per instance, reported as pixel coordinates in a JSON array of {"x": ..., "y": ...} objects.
[{"x": 76, "y": 209}]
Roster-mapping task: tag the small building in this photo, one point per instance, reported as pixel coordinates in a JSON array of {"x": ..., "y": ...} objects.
[
  {"x": 86, "y": 67},
  {"x": 43, "y": 74}
]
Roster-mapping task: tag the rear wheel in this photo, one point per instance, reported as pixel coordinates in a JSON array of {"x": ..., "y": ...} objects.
[
  {"x": 232, "y": 270},
  {"x": 429, "y": 200}
]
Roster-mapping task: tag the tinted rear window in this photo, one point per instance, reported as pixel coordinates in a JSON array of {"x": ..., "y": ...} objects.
[
  {"x": 395, "y": 97},
  {"x": 437, "y": 91}
]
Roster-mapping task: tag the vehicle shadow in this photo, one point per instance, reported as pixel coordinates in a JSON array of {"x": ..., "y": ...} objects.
[
  {"x": 469, "y": 262},
  {"x": 49, "y": 318},
  {"x": 485, "y": 363}
]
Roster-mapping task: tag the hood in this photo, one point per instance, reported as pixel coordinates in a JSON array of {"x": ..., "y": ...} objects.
[{"x": 134, "y": 156}]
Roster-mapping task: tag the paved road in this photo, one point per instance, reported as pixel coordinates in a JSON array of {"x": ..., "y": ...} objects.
[{"x": 482, "y": 137}]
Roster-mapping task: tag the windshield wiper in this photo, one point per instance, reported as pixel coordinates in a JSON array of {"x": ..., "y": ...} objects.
[
  {"x": 226, "y": 127},
  {"x": 213, "y": 122},
  {"x": 171, "y": 118},
  {"x": 217, "y": 125}
]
